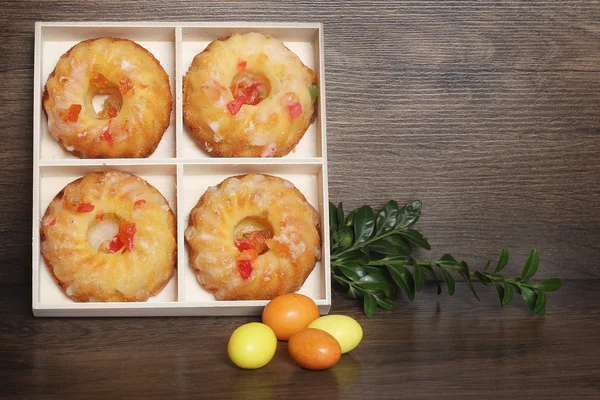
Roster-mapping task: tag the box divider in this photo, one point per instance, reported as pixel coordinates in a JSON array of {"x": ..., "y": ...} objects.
[
  {"x": 181, "y": 262},
  {"x": 183, "y": 161},
  {"x": 178, "y": 93},
  {"x": 35, "y": 255}
]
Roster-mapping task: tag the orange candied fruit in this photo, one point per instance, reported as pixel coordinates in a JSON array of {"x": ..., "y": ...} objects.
[
  {"x": 126, "y": 234},
  {"x": 292, "y": 103},
  {"x": 85, "y": 207},
  {"x": 115, "y": 245},
  {"x": 250, "y": 255},
  {"x": 71, "y": 114},
  {"x": 245, "y": 268},
  {"x": 139, "y": 203},
  {"x": 125, "y": 85},
  {"x": 253, "y": 240},
  {"x": 278, "y": 247},
  {"x": 236, "y": 104},
  {"x": 113, "y": 112},
  {"x": 99, "y": 80}
]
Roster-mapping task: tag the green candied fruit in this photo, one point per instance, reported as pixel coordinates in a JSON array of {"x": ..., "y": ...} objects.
[{"x": 314, "y": 92}]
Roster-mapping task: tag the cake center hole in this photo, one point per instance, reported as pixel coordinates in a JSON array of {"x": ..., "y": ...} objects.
[
  {"x": 107, "y": 102},
  {"x": 102, "y": 231},
  {"x": 252, "y": 233},
  {"x": 254, "y": 87}
]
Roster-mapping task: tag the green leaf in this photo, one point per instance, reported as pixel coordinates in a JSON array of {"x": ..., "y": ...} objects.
[
  {"x": 540, "y": 304},
  {"x": 508, "y": 293},
  {"x": 503, "y": 260},
  {"x": 549, "y": 285},
  {"x": 364, "y": 224},
  {"x": 387, "y": 218},
  {"x": 487, "y": 266},
  {"x": 409, "y": 215},
  {"x": 448, "y": 259},
  {"x": 340, "y": 214},
  {"x": 500, "y": 292},
  {"x": 403, "y": 279},
  {"x": 516, "y": 287},
  {"x": 354, "y": 274},
  {"x": 353, "y": 293},
  {"x": 371, "y": 270},
  {"x": 385, "y": 303},
  {"x": 346, "y": 237},
  {"x": 419, "y": 275},
  {"x": 313, "y": 90},
  {"x": 416, "y": 237},
  {"x": 483, "y": 279},
  {"x": 376, "y": 282},
  {"x": 375, "y": 276},
  {"x": 333, "y": 218},
  {"x": 392, "y": 245},
  {"x": 370, "y": 304},
  {"x": 529, "y": 296},
  {"x": 352, "y": 258},
  {"x": 464, "y": 271},
  {"x": 450, "y": 283},
  {"x": 350, "y": 218},
  {"x": 433, "y": 276},
  {"x": 531, "y": 265}
]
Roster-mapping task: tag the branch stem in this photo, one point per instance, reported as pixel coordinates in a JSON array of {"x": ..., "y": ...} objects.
[{"x": 366, "y": 242}]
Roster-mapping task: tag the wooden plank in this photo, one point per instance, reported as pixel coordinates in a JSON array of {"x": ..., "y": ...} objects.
[
  {"x": 486, "y": 111},
  {"x": 435, "y": 347}
]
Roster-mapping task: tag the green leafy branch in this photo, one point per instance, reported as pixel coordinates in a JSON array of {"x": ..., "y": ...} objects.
[{"x": 371, "y": 257}]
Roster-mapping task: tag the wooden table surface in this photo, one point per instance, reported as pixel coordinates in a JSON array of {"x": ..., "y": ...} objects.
[{"x": 487, "y": 111}]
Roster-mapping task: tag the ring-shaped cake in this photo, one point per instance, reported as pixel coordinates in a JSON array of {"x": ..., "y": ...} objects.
[
  {"x": 109, "y": 236},
  {"x": 137, "y": 100},
  {"x": 248, "y": 96},
  {"x": 253, "y": 237}
]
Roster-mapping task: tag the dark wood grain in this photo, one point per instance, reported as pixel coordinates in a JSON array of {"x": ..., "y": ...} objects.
[
  {"x": 434, "y": 348},
  {"x": 487, "y": 111}
]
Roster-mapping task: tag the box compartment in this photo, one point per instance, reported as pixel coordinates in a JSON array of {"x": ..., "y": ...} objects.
[
  {"x": 304, "y": 42},
  {"x": 58, "y": 39},
  {"x": 198, "y": 178}
]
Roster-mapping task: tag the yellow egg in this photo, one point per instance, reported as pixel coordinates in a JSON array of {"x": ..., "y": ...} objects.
[
  {"x": 347, "y": 331},
  {"x": 252, "y": 345}
]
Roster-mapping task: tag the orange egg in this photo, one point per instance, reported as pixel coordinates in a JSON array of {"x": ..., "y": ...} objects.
[
  {"x": 314, "y": 349},
  {"x": 289, "y": 313}
]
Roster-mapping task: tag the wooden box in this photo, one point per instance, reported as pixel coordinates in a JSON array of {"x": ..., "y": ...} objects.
[{"x": 178, "y": 168}]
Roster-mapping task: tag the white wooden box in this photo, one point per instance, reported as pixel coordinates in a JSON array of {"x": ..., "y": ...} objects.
[{"x": 178, "y": 167}]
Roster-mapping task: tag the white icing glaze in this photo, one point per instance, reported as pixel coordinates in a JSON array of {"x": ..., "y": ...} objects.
[
  {"x": 259, "y": 139},
  {"x": 125, "y": 65},
  {"x": 250, "y": 128},
  {"x": 214, "y": 125}
]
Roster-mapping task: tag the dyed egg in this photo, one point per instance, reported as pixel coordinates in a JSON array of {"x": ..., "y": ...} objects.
[
  {"x": 344, "y": 329},
  {"x": 252, "y": 345},
  {"x": 314, "y": 349},
  {"x": 289, "y": 313}
]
